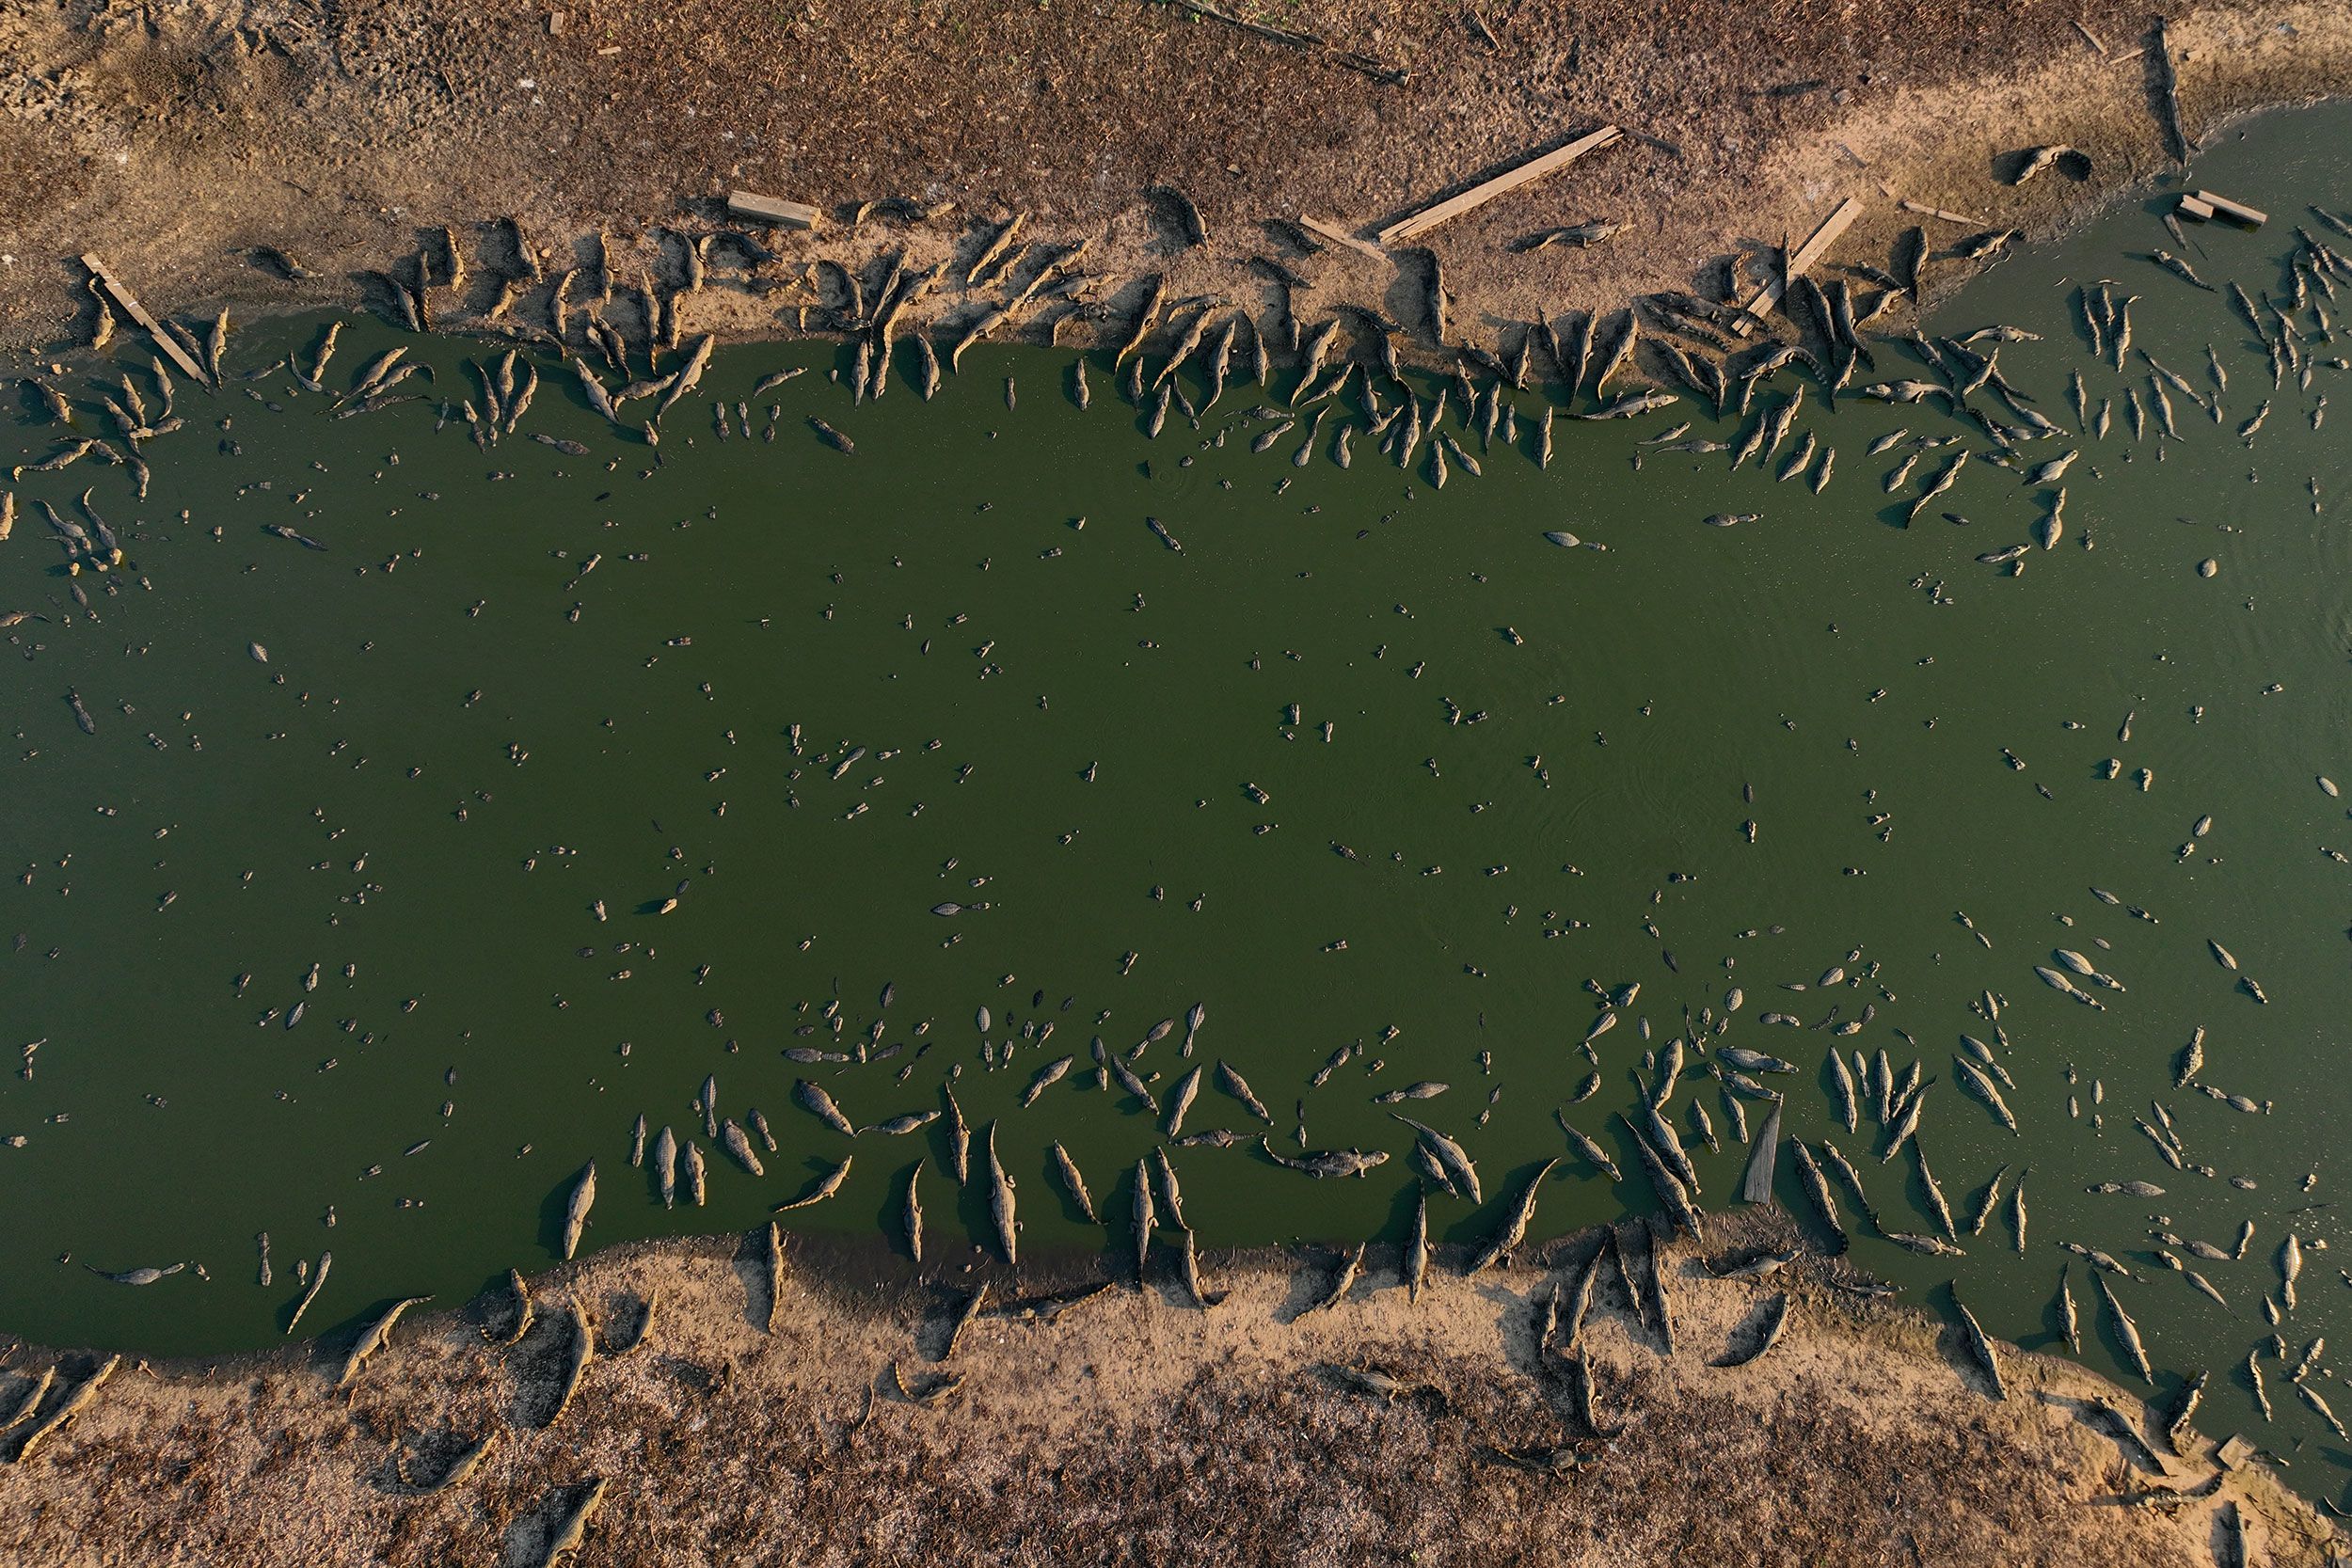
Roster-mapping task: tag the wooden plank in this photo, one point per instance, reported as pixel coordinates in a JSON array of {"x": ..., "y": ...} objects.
[
  {"x": 1756, "y": 1185},
  {"x": 771, "y": 209},
  {"x": 1948, "y": 217},
  {"x": 1760, "y": 304},
  {"x": 131, "y": 307},
  {"x": 2192, "y": 208},
  {"x": 1337, "y": 235},
  {"x": 2236, "y": 212},
  {"x": 1479, "y": 195},
  {"x": 1823, "y": 238}
]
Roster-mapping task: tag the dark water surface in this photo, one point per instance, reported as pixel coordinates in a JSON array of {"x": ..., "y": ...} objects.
[{"x": 459, "y": 744}]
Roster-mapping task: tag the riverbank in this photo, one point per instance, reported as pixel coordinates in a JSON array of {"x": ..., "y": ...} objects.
[
  {"x": 177, "y": 143},
  {"x": 1861, "y": 1437},
  {"x": 1141, "y": 1428}
]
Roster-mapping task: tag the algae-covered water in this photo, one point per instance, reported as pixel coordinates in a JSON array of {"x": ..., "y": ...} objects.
[{"x": 1365, "y": 767}]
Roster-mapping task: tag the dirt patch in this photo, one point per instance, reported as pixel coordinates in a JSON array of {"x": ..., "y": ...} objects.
[
  {"x": 1137, "y": 1428},
  {"x": 175, "y": 141}
]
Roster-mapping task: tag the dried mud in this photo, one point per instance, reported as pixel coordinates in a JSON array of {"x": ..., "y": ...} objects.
[
  {"x": 1134, "y": 1428},
  {"x": 175, "y": 141}
]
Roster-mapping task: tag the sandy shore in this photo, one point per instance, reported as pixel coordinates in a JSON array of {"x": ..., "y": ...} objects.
[
  {"x": 175, "y": 141},
  {"x": 1139, "y": 1428}
]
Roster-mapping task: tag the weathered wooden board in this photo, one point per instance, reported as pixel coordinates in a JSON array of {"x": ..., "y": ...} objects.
[
  {"x": 131, "y": 307},
  {"x": 1945, "y": 214},
  {"x": 1756, "y": 1183},
  {"x": 1337, "y": 235},
  {"x": 2236, "y": 212},
  {"x": 1479, "y": 195},
  {"x": 771, "y": 209},
  {"x": 1759, "y": 303}
]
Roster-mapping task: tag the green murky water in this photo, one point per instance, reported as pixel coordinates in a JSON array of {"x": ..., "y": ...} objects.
[{"x": 813, "y": 696}]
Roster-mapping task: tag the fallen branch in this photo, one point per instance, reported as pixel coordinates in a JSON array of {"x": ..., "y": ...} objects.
[{"x": 1392, "y": 75}]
